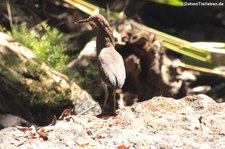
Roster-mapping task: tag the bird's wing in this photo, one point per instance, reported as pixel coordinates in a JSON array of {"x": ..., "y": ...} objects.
[{"x": 111, "y": 67}]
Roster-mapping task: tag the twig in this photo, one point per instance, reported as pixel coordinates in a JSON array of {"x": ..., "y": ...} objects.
[
  {"x": 86, "y": 110},
  {"x": 10, "y": 14}
]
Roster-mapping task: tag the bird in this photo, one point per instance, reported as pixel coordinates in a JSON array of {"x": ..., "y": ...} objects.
[{"x": 110, "y": 62}]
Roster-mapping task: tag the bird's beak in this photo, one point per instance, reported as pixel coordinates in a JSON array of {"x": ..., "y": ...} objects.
[{"x": 83, "y": 21}]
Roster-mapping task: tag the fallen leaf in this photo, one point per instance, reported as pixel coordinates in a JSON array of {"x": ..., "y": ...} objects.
[
  {"x": 31, "y": 135},
  {"x": 23, "y": 128},
  {"x": 69, "y": 118},
  {"x": 122, "y": 147},
  {"x": 42, "y": 133},
  {"x": 107, "y": 117},
  {"x": 65, "y": 113},
  {"x": 81, "y": 145}
]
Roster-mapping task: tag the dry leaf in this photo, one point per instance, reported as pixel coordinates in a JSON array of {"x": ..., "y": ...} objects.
[
  {"x": 107, "y": 117},
  {"x": 32, "y": 135},
  {"x": 42, "y": 133},
  {"x": 81, "y": 145},
  {"x": 69, "y": 118},
  {"x": 122, "y": 147},
  {"x": 65, "y": 113},
  {"x": 23, "y": 128}
]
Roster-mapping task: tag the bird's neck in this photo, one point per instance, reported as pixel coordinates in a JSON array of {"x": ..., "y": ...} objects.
[{"x": 104, "y": 39}]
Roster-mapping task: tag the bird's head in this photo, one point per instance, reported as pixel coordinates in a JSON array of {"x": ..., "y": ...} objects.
[
  {"x": 104, "y": 29},
  {"x": 98, "y": 19}
]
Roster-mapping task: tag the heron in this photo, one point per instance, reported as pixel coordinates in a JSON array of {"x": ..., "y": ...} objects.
[{"x": 110, "y": 62}]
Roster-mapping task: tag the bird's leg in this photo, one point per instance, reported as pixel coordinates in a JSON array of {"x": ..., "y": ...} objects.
[
  {"x": 106, "y": 96},
  {"x": 114, "y": 101}
]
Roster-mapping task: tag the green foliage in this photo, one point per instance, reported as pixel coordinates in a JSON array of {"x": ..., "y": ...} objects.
[
  {"x": 48, "y": 48},
  {"x": 90, "y": 80},
  {"x": 170, "y": 2},
  {"x": 3, "y": 29},
  {"x": 87, "y": 76}
]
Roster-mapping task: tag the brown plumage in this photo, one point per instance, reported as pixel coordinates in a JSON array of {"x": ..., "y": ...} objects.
[{"x": 111, "y": 64}]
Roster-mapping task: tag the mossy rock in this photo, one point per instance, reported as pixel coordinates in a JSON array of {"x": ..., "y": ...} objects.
[{"x": 33, "y": 90}]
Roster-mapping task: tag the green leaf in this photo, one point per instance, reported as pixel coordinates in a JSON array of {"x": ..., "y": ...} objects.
[{"x": 169, "y": 2}]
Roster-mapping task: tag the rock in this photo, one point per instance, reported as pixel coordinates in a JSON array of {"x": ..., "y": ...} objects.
[
  {"x": 191, "y": 122},
  {"x": 9, "y": 120}
]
